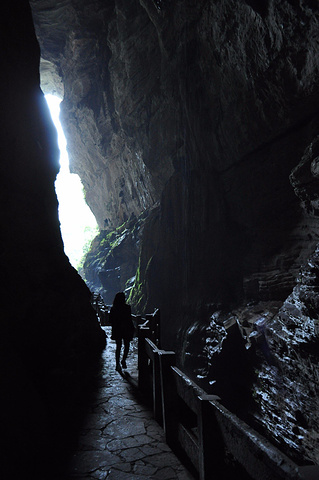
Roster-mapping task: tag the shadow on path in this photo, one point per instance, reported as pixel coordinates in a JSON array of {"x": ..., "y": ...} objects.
[{"x": 118, "y": 438}]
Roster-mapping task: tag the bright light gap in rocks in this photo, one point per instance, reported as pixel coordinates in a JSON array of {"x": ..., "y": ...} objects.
[{"x": 78, "y": 224}]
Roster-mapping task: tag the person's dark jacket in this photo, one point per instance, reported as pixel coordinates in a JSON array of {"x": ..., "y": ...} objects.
[{"x": 121, "y": 321}]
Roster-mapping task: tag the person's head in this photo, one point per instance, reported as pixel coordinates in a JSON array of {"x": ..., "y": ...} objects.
[{"x": 119, "y": 299}]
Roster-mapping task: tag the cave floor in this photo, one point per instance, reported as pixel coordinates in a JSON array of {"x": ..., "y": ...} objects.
[{"x": 119, "y": 439}]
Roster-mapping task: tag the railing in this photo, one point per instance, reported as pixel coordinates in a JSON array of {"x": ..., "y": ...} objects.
[
  {"x": 199, "y": 426},
  {"x": 101, "y": 309}
]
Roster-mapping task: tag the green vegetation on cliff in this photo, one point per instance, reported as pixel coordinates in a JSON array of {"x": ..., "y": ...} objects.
[{"x": 112, "y": 262}]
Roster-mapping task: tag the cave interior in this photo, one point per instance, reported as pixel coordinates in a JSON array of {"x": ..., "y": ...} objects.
[{"x": 194, "y": 128}]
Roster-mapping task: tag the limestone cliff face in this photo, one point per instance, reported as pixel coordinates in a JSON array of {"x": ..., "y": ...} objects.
[
  {"x": 104, "y": 55},
  {"x": 210, "y": 108}
]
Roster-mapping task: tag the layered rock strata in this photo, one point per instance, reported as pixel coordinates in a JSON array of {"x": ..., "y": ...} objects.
[{"x": 98, "y": 50}]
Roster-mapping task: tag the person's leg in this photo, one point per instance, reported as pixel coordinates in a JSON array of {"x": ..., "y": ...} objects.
[
  {"x": 118, "y": 353},
  {"x": 125, "y": 354}
]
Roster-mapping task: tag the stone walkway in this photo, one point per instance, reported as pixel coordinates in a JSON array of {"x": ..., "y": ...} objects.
[{"x": 119, "y": 439}]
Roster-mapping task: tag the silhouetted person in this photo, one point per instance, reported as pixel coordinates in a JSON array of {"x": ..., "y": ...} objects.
[{"x": 122, "y": 327}]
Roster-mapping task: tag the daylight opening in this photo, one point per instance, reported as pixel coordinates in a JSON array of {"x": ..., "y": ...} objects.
[{"x": 77, "y": 222}]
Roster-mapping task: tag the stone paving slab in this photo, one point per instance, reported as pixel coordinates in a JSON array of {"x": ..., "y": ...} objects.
[{"x": 119, "y": 439}]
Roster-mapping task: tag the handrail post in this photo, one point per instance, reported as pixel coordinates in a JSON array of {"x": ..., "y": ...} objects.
[
  {"x": 157, "y": 327},
  {"x": 157, "y": 390},
  {"x": 142, "y": 361},
  {"x": 169, "y": 397},
  {"x": 209, "y": 440},
  {"x": 153, "y": 321}
]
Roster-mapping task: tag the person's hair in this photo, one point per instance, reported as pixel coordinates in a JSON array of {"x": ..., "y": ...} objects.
[{"x": 119, "y": 299}]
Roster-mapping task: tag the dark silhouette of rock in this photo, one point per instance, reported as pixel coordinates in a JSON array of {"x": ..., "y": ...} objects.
[{"x": 50, "y": 338}]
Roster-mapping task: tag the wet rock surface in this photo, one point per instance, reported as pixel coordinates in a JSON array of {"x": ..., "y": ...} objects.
[
  {"x": 287, "y": 389},
  {"x": 262, "y": 362},
  {"x": 119, "y": 439}
]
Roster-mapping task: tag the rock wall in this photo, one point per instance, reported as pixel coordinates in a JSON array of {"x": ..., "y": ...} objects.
[
  {"x": 210, "y": 108},
  {"x": 50, "y": 337},
  {"x": 99, "y": 50}
]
